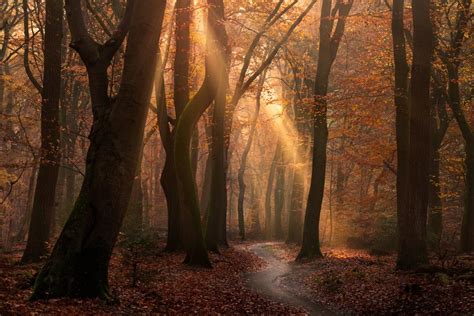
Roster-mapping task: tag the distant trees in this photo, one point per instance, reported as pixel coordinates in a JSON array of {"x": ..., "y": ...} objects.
[
  {"x": 451, "y": 57},
  {"x": 330, "y": 38},
  {"x": 78, "y": 265}
]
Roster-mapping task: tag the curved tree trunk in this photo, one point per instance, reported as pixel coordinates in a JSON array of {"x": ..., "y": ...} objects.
[
  {"x": 196, "y": 252},
  {"x": 328, "y": 46},
  {"x": 78, "y": 266}
]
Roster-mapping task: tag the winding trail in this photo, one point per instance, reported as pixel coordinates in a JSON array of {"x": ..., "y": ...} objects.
[{"x": 281, "y": 281}]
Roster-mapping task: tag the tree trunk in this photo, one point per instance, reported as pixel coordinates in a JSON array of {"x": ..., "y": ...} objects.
[
  {"x": 296, "y": 207},
  {"x": 42, "y": 215},
  {"x": 216, "y": 228},
  {"x": 402, "y": 120},
  {"x": 279, "y": 194},
  {"x": 78, "y": 266},
  {"x": 268, "y": 197},
  {"x": 413, "y": 248},
  {"x": 328, "y": 46},
  {"x": 246, "y": 151},
  {"x": 181, "y": 98},
  {"x": 211, "y": 89}
]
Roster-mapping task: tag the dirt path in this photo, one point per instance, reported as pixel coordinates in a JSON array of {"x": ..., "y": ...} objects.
[{"x": 280, "y": 281}]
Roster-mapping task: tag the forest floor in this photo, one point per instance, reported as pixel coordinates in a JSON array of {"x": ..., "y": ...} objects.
[
  {"x": 253, "y": 278},
  {"x": 354, "y": 282},
  {"x": 146, "y": 280}
]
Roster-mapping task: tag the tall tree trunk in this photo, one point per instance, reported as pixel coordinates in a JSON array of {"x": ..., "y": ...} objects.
[
  {"x": 181, "y": 98},
  {"x": 328, "y": 46},
  {"x": 211, "y": 89},
  {"x": 413, "y": 248},
  {"x": 216, "y": 228},
  {"x": 402, "y": 117},
  {"x": 279, "y": 195},
  {"x": 42, "y": 215},
  {"x": 268, "y": 197},
  {"x": 78, "y": 265},
  {"x": 248, "y": 146}
]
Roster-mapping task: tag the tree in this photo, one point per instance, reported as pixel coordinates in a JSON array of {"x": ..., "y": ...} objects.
[
  {"x": 452, "y": 60},
  {"x": 216, "y": 228},
  {"x": 412, "y": 227},
  {"x": 245, "y": 153},
  {"x": 181, "y": 98},
  {"x": 245, "y": 80},
  {"x": 78, "y": 265},
  {"x": 42, "y": 216},
  {"x": 214, "y": 83},
  {"x": 401, "y": 110},
  {"x": 328, "y": 46}
]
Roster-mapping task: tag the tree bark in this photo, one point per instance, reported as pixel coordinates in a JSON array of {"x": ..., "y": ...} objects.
[
  {"x": 328, "y": 46},
  {"x": 413, "y": 248},
  {"x": 42, "y": 216},
  {"x": 78, "y": 265},
  {"x": 216, "y": 228},
  {"x": 211, "y": 89}
]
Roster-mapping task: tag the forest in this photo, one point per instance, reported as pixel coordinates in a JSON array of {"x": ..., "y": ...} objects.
[{"x": 272, "y": 157}]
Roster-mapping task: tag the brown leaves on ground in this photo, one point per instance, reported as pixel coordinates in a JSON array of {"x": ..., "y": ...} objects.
[
  {"x": 355, "y": 282},
  {"x": 163, "y": 285}
]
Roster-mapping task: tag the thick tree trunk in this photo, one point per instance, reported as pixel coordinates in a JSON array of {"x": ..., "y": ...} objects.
[
  {"x": 78, "y": 266},
  {"x": 328, "y": 46},
  {"x": 413, "y": 247},
  {"x": 42, "y": 215},
  {"x": 181, "y": 98},
  {"x": 402, "y": 120},
  {"x": 211, "y": 89},
  {"x": 170, "y": 188},
  {"x": 216, "y": 228}
]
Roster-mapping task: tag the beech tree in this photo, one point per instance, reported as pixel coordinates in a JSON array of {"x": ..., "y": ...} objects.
[
  {"x": 330, "y": 38},
  {"x": 42, "y": 215},
  {"x": 78, "y": 265},
  {"x": 214, "y": 83},
  {"x": 412, "y": 225}
]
